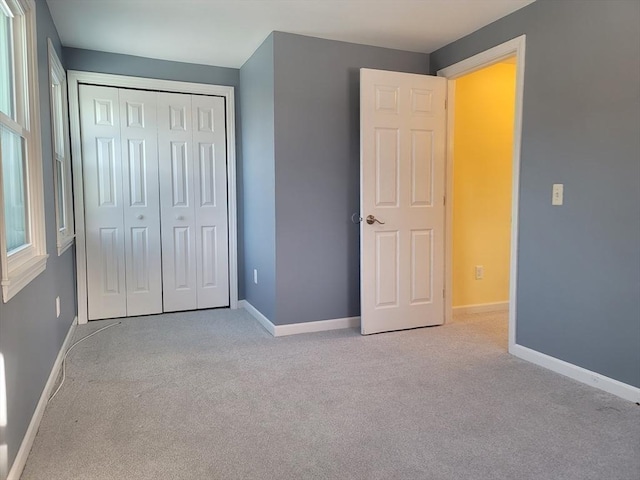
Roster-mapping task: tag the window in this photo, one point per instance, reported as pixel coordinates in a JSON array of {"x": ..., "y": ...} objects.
[
  {"x": 22, "y": 229},
  {"x": 61, "y": 159}
]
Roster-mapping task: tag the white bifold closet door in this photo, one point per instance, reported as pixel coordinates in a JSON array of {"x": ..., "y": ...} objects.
[
  {"x": 122, "y": 216},
  {"x": 193, "y": 190},
  {"x": 155, "y": 201}
]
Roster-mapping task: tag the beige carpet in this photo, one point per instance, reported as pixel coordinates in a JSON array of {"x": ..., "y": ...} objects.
[{"x": 211, "y": 395}]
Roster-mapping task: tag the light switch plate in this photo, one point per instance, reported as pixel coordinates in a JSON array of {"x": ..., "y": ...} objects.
[
  {"x": 557, "y": 195},
  {"x": 479, "y": 270}
]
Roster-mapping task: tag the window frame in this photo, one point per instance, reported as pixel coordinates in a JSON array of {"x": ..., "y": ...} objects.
[
  {"x": 24, "y": 264},
  {"x": 65, "y": 228}
]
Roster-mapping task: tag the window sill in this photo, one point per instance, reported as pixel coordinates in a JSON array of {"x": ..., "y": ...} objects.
[
  {"x": 64, "y": 244},
  {"x": 22, "y": 276}
]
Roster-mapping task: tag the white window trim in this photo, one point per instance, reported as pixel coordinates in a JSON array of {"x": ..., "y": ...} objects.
[
  {"x": 58, "y": 76},
  {"x": 19, "y": 269}
]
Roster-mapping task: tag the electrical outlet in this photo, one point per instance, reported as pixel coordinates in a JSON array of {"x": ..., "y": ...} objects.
[
  {"x": 479, "y": 272},
  {"x": 57, "y": 307},
  {"x": 255, "y": 276}
]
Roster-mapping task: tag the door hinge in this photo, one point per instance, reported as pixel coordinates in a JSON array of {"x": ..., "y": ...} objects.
[
  {"x": 444, "y": 200},
  {"x": 443, "y": 293},
  {"x": 446, "y": 103}
]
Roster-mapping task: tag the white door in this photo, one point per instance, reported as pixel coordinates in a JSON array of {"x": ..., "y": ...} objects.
[
  {"x": 177, "y": 199},
  {"x": 122, "y": 221},
  {"x": 155, "y": 183},
  {"x": 210, "y": 187},
  {"x": 193, "y": 190},
  {"x": 104, "y": 215},
  {"x": 402, "y": 135},
  {"x": 143, "y": 257}
]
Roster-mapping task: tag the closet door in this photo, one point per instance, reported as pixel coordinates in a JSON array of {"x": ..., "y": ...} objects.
[
  {"x": 104, "y": 213},
  {"x": 122, "y": 219},
  {"x": 211, "y": 219},
  {"x": 177, "y": 202},
  {"x": 193, "y": 191},
  {"x": 143, "y": 258}
]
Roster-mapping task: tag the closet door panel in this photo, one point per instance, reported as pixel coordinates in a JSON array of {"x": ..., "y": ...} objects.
[
  {"x": 139, "y": 146},
  {"x": 210, "y": 188},
  {"x": 103, "y": 190},
  {"x": 176, "y": 170}
]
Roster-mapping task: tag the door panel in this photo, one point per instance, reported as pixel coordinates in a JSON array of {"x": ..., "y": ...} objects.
[
  {"x": 143, "y": 258},
  {"x": 177, "y": 202},
  {"x": 421, "y": 265},
  {"x": 402, "y": 186},
  {"x": 139, "y": 279},
  {"x": 210, "y": 179},
  {"x": 387, "y": 267},
  {"x": 387, "y": 167},
  {"x": 421, "y": 168},
  {"x": 104, "y": 217},
  {"x": 106, "y": 161},
  {"x": 110, "y": 264},
  {"x": 180, "y": 172}
]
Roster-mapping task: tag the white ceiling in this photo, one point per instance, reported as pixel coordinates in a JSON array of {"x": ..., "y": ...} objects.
[{"x": 227, "y": 32}]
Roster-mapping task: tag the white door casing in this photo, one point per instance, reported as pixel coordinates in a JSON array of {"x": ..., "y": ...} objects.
[
  {"x": 402, "y": 134},
  {"x": 77, "y": 78},
  {"x": 512, "y": 48}
]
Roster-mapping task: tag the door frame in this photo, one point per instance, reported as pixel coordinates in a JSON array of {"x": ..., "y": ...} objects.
[
  {"x": 514, "y": 47},
  {"x": 74, "y": 78}
]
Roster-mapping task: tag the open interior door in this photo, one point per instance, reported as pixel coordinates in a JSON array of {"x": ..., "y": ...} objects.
[{"x": 402, "y": 184}]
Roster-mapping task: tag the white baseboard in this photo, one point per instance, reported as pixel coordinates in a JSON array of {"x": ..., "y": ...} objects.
[
  {"x": 483, "y": 308},
  {"x": 622, "y": 390},
  {"x": 296, "y": 328},
  {"x": 318, "y": 326},
  {"x": 255, "y": 313},
  {"x": 27, "y": 442}
]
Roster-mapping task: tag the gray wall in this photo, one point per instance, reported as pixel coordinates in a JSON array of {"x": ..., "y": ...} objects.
[
  {"x": 579, "y": 264},
  {"x": 117, "y": 64},
  {"x": 258, "y": 178},
  {"x": 30, "y": 333},
  {"x": 317, "y": 161}
]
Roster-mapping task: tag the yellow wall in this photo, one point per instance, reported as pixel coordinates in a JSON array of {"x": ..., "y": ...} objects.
[{"x": 483, "y": 136}]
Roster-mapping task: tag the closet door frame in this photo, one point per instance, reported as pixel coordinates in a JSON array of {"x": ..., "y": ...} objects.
[{"x": 75, "y": 78}]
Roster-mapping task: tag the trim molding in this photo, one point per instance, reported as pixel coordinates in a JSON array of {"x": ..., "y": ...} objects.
[
  {"x": 317, "y": 326},
  {"x": 27, "y": 442},
  {"x": 74, "y": 78},
  {"x": 17, "y": 270},
  {"x": 255, "y": 313},
  {"x": 593, "y": 379},
  {"x": 296, "y": 328},
  {"x": 483, "y": 307},
  {"x": 514, "y": 47}
]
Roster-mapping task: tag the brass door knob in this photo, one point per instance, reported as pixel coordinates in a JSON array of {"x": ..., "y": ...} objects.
[{"x": 371, "y": 220}]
